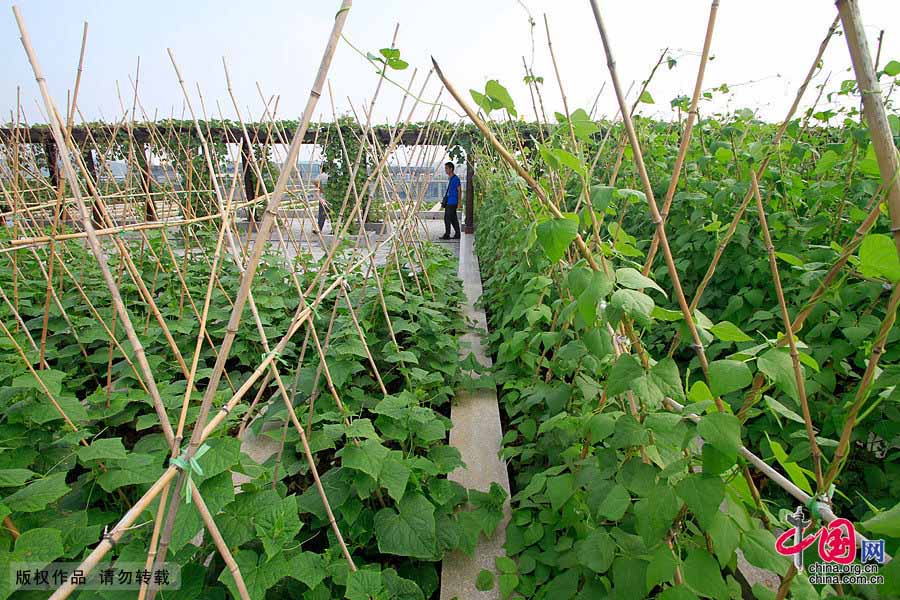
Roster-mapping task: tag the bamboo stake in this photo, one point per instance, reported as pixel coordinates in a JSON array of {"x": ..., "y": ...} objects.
[
  {"x": 876, "y": 116},
  {"x": 686, "y": 136},
  {"x": 654, "y": 210},
  {"x": 840, "y": 454},
  {"x": 252, "y": 263},
  {"x": 93, "y": 242},
  {"x": 220, "y": 543},
  {"x": 789, "y": 334},
  {"x": 720, "y": 249}
]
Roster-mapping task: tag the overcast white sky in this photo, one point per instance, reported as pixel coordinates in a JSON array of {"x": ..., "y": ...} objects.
[{"x": 278, "y": 43}]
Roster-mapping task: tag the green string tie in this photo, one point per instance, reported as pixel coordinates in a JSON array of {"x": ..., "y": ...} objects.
[
  {"x": 817, "y": 503},
  {"x": 276, "y": 358},
  {"x": 189, "y": 466}
]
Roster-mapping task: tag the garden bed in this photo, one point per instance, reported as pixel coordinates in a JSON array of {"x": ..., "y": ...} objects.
[{"x": 383, "y": 460}]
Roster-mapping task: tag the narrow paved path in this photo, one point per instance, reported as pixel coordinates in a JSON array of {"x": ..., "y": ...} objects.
[{"x": 476, "y": 434}]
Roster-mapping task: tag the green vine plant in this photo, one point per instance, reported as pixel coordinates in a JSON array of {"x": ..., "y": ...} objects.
[{"x": 612, "y": 495}]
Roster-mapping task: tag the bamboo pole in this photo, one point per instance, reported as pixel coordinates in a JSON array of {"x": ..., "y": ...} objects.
[
  {"x": 251, "y": 266},
  {"x": 732, "y": 227},
  {"x": 686, "y": 136},
  {"x": 93, "y": 242},
  {"x": 789, "y": 334},
  {"x": 873, "y": 106},
  {"x": 651, "y": 202}
]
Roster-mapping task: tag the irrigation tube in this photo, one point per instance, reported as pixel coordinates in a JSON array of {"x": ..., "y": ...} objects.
[{"x": 825, "y": 512}]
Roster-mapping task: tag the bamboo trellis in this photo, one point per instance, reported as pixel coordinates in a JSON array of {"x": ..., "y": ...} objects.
[
  {"x": 85, "y": 203},
  {"x": 590, "y": 251},
  {"x": 104, "y": 213}
]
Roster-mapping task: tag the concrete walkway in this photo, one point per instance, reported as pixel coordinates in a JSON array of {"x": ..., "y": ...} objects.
[{"x": 476, "y": 434}]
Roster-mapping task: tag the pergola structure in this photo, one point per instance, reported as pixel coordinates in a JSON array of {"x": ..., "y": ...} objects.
[{"x": 247, "y": 137}]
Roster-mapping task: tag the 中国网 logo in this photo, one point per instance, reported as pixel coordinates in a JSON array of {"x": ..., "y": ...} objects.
[{"x": 837, "y": 542}]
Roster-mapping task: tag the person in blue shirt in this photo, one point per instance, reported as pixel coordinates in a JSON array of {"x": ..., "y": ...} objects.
[{"x": 451, "y": 202}]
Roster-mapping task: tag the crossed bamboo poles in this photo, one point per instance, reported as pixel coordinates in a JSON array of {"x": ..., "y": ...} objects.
[
  {"x": 632, "y": 139},
  {"x": 403, "y": 236},
  {"x": 888, "y": 162}
]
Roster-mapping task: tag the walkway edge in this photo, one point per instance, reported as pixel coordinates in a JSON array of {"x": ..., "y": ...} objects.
[{"x": 477, "y": 434}]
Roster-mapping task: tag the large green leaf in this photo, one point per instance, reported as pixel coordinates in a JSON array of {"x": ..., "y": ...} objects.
[
  {"x": 409, "y": 532},
  {"x": 15, "y": 477},
  {"x": 237, "y": 521},
  {"x": 632, "y": 278},
  {"x": 702, "y": 574},
  {"x": 666, "y": 377},
  {"x": 400, "y": 588},
  {"x": 628, "y": 432},
  {"x": 777, "y": 365},
  {"x": 758, "y": 546},
  {"x": 259, "y": 574},
  {"x": 134, "y": 469},
  {"x": 486, "y": 103},
  {"x": 886, "y": 522},
  {"x": 655, "y": 515},
  {"x": 308, "y": 568},
  {"x": 721, "y": 431},
  {"x": 367, "y": 457},
  {"x": 394, "y": 475},
  {"x": 337, "y": 488},
  {"x": 633, "y": 303},
  {"x": 501, "y": 95},
  {"x": 629, "y": 579},
  {"x": 662, "y": 566},
  {"x": 51, "y": 378},
  {"x": 596, "y": 552},
  {"x": 364, "y": 584},
  {"x": 703, "y": 494},
  {"x": 38, "y": 494},
  {"x": 624, "y": 373},
  {"x": 729, "y": 332},
  {"x": 217, "y": 492},
  {"x": 555, "y": 235},
  {"x": 725, "y": 537},
  {"x": 277, "y": 525},
  {"x": 614, "y": 505},
  {"x": 103, "y": 449},
  {"x": 726, "y": 376},
  {"x": 38, "y": 546},
  {"x": 601, "y": 196},
  {"x": 582, "y": 124},
  {"x": 567, "y": 159},
  {"x": 560, "y": 489},
  {"x": 878, "y": 257},
  {"x": 892, "y": 69}
]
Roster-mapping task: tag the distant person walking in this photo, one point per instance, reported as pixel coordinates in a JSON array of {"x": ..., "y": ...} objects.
[
  {"x": 451, "y": 202},
  {"x": 320, "y": 181}
]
